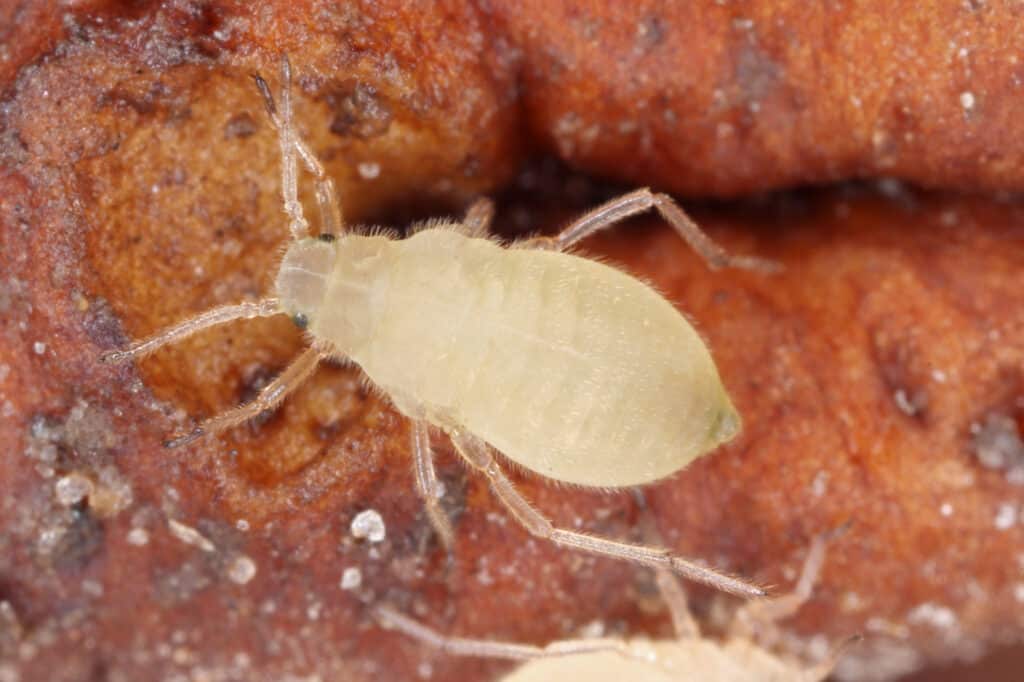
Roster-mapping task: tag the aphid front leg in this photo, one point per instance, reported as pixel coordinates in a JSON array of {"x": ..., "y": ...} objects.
[
  {"x": 270, "y": 397},
  {"x": 459, "y": 646},
  {"x": 292, "y": 144},
  {"x": 268, "y": 307},
  {"x": 426, "y": 482},
  {"x": 477, "y": 453},
  {"x": 477, "y": 222},
  {"x": 637, "y": 202}
]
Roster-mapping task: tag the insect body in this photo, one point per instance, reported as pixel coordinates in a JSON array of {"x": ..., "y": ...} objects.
[
  {"x": 568, "y": 367},
  {"x": 571, "y": 368}
]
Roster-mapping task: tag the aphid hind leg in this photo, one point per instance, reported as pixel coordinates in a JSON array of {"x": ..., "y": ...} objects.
[
  {"x": 270, "y": 397},
  {"x": 291, "y": 144},
  {"x": 635, "y": 203},
  {"x": 477, "y": 222},
  {"x": 460, "y": 646},
  {"x": 268, "y": 307},
  {"x": 426, "y": 482},
  {"x": 477, "y": 453}
]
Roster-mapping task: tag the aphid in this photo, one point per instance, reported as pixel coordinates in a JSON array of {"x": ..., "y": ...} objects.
[
  {"x": 570, "y": 368},
  {"x": 744, "y": 655}
]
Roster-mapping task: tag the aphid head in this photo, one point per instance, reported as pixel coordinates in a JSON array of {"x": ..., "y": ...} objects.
[{"x": 302, "y": 279}]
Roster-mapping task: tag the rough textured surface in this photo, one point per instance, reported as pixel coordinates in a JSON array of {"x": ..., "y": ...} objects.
[
  {"x": 728, "y": 98},
  {"x": 702, "y": 98},
  {"x": 883, "y": 359},
  {"x": 879, "y": 375}
]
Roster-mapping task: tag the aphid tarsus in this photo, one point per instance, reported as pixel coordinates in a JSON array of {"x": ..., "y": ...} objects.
[{"x": 569, "y": 367}]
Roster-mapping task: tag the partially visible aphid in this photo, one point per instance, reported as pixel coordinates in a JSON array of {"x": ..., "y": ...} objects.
[
  {"x": 570, "y": 368},
  {"x": 745, "y": 655}
]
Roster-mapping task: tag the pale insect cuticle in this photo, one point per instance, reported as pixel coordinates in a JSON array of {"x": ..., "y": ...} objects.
[{"x": 386, "y": 304}]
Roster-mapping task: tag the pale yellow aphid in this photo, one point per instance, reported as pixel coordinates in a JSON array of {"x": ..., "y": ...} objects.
[
  {"x": 744, "y": 655},
  {"x": 568, "y": 367}
]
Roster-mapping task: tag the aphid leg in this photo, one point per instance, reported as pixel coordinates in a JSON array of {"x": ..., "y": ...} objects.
[
  {"x": 270, "y": 397},
  {"x": 291, "y": 143},
  {"x": 764, "y": 612},
  {"x": 712, "y": 253},
  {"x": 331, "y": 221},
  {"x": 282, "y": 121},
  {"x": 459, "y": 646},
  {"x": 268, "y": 307},
  {"x": 477, "y": 453},
  {"x": 820, "y": 671},
  {"x": 637, "y": 202},
  {"x": 678, "y": 605},
  {"x": 672, "y": 592},
  {"x": 426, "y": 482},
  {"x": 755, "y": 620},
  {"x": 477, "y": 222}
]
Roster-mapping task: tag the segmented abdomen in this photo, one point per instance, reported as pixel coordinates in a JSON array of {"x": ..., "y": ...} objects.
[{"x": 567, "y": 366}]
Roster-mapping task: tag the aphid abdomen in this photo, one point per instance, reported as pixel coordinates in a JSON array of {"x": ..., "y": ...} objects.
[
  {"x": 607, "y": 383},
  {"x": 567, "y": 366}
]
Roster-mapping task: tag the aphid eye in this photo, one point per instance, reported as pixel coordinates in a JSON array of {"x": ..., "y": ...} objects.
[
  {"x": 326, "y": 237},
  {"x": 300, "y": 320}
]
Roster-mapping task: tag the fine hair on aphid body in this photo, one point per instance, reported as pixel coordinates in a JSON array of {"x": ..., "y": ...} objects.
[{"x": 570, "y": 368}]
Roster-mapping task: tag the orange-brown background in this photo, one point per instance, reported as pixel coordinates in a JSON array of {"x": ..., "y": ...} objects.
[{"x": 139, "y": 183}]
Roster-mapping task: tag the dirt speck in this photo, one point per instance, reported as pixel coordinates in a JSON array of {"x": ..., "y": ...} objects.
[
  {"x": 359, "y": 111},
  {"x": 240, "y": 125},
  {"x": 997, "y": 444}
]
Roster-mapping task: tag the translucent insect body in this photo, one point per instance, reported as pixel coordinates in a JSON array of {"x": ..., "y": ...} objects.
[{"x": 569, "y": 367}]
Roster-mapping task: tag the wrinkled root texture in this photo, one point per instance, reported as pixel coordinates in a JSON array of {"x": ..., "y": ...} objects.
[
  {"x": 879, "y": 375},
  {"x": 882, "y": 395},
  {"x": 701, "y": 98}
]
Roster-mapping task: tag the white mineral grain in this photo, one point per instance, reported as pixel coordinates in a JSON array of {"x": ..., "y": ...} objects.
[
  {"x": 72, "y": 489},
  {"x": 138, "y": 537},
  {"x": 369, "y": 525},
  {"x": 241, "y": 569},
  {"x": 351, "y": 578}
]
